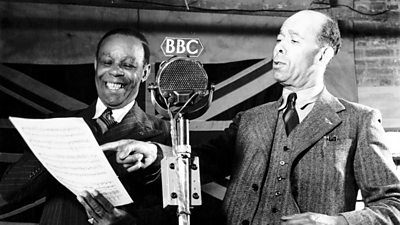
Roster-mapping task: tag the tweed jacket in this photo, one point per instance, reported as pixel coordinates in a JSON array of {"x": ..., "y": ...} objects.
[
  {"x": 339, "y": 149},
  {"x": 27, "y": 180}
]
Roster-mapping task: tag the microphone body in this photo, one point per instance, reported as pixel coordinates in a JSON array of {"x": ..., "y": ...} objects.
[{"x": 181, "y": 85}]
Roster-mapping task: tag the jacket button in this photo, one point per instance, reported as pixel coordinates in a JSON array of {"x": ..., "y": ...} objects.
[
  {"x": 280, "y": 178},
  {"x": 282, "y": 163},
  {"x": 274, "y": 210},
  {"x": 278, "y": 193},
  {"x": 285, "y": 148},
  {"x": 254, "y": 187},
  {"x": 245, "y": 222}
]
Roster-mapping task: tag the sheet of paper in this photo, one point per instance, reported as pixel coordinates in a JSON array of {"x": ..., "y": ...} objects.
[{"x": 68, "y": 150}]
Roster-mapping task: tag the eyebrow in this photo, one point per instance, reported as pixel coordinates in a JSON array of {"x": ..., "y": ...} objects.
[
  {"x": 123, "y": 59},
  {"x": 291, "y": 33},
  {"x": 294, "y": 33}
]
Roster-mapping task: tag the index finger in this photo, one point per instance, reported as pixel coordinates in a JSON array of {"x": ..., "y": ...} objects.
[{"x": 113, "y": 146}]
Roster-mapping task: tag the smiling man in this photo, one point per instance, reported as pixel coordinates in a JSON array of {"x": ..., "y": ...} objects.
[{"x": 121, "y": 64}]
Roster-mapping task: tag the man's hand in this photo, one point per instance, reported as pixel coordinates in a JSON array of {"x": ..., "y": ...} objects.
[
  {"x": 101, "y": 212},
  {"x": 310, "y": 218},
  {"x": 132, "y": 154}
]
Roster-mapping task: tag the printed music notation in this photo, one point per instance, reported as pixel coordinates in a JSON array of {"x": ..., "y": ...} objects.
[{"x": 68, "y": 150}]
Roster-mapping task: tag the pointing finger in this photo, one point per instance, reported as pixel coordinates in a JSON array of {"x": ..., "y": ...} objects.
[{"x": 113, "y": 146}]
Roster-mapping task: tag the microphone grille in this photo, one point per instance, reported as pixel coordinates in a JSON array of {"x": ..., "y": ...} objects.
[{"x": 181, "y": 74}]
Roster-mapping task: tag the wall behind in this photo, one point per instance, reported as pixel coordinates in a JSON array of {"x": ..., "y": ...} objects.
[{"x": 377, "y": 60}]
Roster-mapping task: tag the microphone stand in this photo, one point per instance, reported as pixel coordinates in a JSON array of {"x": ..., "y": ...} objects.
[
  {"x": 180, "y": 173},
  {"x": 183, "y": 151},
  {"x": 181, "y": 101}
]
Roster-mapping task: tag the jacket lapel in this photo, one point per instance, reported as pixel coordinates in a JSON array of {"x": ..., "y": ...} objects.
[
  {"x": 135, "y": 125},
  {"x": 321, "y": 120}
]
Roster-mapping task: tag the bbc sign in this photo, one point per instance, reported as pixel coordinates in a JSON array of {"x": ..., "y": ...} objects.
[{"x": 191, "y": 47}]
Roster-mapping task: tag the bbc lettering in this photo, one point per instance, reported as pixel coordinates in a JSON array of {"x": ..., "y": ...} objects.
[
  {"x": 180, "y": 47},
  {"x": 191, "y": 47}
]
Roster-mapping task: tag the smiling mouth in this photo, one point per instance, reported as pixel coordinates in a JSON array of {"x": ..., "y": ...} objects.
[{"x": 114, "y": 86}]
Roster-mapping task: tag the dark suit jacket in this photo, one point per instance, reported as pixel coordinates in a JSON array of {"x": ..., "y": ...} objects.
[
  {"x": 27, "y": 180},
  {"x": 344, "y": 143}
]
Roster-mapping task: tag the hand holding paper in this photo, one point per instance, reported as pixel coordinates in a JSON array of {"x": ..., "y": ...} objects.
[{"x": 68, "y": 150}]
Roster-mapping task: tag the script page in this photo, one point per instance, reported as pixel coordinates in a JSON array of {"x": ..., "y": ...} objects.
[{"x": 68, "y": 150}]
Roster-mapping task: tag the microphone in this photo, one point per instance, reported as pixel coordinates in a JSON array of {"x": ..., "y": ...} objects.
[
  {"x": 181, "y": 92},
  {"x": 181, "y": 86}
]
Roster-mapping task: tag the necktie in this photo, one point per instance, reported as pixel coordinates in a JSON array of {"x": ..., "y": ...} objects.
[
  {"x": 290, "y": 116},
  {"x": 105, "y": 121}
]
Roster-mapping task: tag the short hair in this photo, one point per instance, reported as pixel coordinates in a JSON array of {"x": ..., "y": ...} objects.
[
  {"x": 128, "y": 32},
  {"x": 330, "y": 34}
]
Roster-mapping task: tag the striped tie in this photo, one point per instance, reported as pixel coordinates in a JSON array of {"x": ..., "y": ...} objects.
[{"x": 105, "y": 121}]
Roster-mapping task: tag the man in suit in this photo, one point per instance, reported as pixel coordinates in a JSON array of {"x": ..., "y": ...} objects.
[
  {"x": 121, "y": 64},
  {"x": 302, "y": 159}
]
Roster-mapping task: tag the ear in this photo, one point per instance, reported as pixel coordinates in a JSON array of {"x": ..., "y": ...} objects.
[
  {"x": 146, "y": 72},
  {"x": 325, "y": 55}
]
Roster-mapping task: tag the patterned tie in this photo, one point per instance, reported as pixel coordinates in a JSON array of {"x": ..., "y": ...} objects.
[
  {"x": 290, "y": 116},
  {"x": 105, "y": 121}
]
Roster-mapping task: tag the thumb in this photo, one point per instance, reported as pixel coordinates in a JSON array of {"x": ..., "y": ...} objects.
[{"x": 123, "y": 153}]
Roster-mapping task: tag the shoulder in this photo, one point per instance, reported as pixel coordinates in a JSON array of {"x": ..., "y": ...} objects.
[
  {"x": 84, "y": 112},
  {"x": 357, "y": 108},
  {"x": 263, "y": 111},
  {"x": 74, "y": 113},
  {"x": 146, "y": 120},
  {"x": 158, "y": 123},
  {"x": 270, "y": 106},
  {"x": 356, "y": 113}
]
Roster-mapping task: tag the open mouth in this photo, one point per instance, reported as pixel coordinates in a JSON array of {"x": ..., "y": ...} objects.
[
  {"x": 278, "y": 63},
  {"x": 114, "y": 86}
]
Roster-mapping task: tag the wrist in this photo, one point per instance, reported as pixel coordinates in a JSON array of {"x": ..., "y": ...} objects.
[{"x": 153, "y": 172}]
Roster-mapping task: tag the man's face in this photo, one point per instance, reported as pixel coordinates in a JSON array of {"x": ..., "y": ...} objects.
[
  {"x": 119, "y": 70},
  {"x": 295, "y": 50}
]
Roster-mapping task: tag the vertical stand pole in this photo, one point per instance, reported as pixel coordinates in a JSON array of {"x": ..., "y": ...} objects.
[{"x": 184, "y": 151}]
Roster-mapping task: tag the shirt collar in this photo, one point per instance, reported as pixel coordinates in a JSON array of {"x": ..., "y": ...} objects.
[
  {"x": 117, "y": 114},
  {"x": 304, "y": 97}
]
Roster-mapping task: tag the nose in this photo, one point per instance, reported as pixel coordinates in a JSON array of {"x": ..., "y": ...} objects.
[
  {"x": 279, "y": 48},
  {"x": 116, "y": 71}
]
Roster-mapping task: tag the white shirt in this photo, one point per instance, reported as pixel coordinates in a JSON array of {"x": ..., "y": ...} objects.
[
  {"x": 305, "y": 100},
  {"x": 117, "y": 114}
]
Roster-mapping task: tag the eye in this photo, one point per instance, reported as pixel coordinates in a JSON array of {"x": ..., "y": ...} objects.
[
  {"x": 128, "y": 66},
  {"x": 106, "y": 62},
  {"x": 295, "y": 41}
]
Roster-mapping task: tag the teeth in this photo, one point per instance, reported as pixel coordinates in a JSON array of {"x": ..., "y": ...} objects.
[{"x": 113, "y": 86}]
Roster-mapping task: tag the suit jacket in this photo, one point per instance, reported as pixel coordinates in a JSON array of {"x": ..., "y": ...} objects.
[
  {"x": 27, "y": 180},
  {"x": 338, "y": 149}
]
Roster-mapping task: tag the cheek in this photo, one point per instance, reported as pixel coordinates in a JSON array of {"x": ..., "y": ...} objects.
[
  {"x": 101, "y": 69},
  {"x": 134, "y": 77}
]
